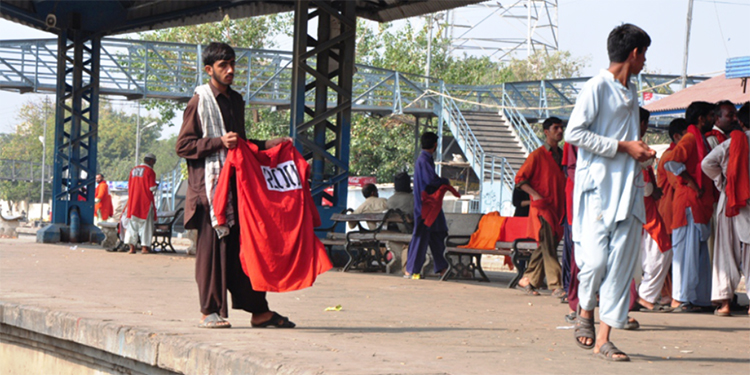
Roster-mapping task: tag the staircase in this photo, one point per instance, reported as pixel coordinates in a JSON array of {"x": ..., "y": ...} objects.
[{"x": 496, "y": 136}]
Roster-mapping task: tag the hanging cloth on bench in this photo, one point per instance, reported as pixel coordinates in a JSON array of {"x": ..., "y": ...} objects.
[{"x": 488, "y": 233}]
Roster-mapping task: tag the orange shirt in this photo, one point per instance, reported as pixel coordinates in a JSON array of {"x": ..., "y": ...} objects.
[
  {"x": 654, "y": 224},
  {"x": 543, "y": 174},
  {"x": 666, "y": 182},
  {"x": 686, "y": 152},
  {"x": 104, "y": 204}
]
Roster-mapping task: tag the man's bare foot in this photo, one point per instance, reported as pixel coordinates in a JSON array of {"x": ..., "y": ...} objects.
[
  {"x": 261, "y": 318},
  {"x": 724, "y": 307},
  {"x": 144, "y": 250},
  {"x": 675, "y": 304},
  {"x": 132, "y": 250},
  {"x": 645, "y": 303}
]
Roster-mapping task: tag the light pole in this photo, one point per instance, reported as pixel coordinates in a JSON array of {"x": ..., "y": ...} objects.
[
  {"x": 43, "y": 139},
  {"x": 138, "y": 139}
]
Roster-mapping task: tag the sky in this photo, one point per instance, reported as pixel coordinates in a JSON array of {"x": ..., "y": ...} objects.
[{"x": 719, "y": 31}]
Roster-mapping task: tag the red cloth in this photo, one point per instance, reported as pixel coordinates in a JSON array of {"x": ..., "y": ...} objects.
[
  {"x": 666, "y": 182},
  {"x": 277, "y": 216},
  {"x": 432, "y": 204},
  {"x": 738, "y": 180},
  {"x": 654, "y": 224},
  {"x": 140, "y": 197},
  {"x": 702, "y": 149},
  {"x": 570, "y": 156},
  {"x": 688, "y": 153},
  {"x": 544, "y": 175},
  {"x": 104, "y": 206},
  {"x": 493, "y": 228},
  {"x": 720, "y": 136}
]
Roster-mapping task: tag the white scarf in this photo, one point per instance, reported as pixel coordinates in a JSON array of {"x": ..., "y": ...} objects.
[{"x": 212, "y": 126}]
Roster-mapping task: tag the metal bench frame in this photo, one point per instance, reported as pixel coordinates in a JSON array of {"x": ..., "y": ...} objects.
[{"x": 163, "y": 228}]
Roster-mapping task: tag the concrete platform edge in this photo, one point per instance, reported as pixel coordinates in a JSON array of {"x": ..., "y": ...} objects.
[{"x": 158, "y": 349}]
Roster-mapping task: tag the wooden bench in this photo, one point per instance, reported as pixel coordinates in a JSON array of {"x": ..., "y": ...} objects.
[
  {"x": 366, "y": 247},
  {"x": 163, "y": 230},
  {"x": 513, "y": 243}
]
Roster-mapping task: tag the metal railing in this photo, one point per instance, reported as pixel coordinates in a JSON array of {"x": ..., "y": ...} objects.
[{"x": 523, "y": 129}]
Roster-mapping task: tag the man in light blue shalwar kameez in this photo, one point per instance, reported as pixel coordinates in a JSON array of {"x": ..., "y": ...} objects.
[{"x": 608, "y": 192}]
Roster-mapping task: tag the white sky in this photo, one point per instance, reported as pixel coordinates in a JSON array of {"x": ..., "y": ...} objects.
[{"x": 719, "y": 30}]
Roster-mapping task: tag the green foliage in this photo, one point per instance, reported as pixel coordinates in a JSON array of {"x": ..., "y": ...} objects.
[{"x": 116, "y": 146}]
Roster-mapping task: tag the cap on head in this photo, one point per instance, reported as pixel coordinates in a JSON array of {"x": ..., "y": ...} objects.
[{"x": 149, "y": 156}]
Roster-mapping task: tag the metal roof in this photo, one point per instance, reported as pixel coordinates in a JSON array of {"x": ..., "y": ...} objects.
[
  {"x": 109, "y": 17},
  {"x": 713, "y": 90}
]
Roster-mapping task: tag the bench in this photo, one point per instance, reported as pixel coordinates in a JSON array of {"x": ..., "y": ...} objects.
[
  {"x": 513, "y": 243},
  {"x": 365, "y": 247},
  {"x": 163, "y": 230}
]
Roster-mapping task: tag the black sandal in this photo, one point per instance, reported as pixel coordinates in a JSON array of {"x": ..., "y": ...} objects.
[
  {"x": 277, "y": 321},
  {"x": 584, "y": 328},
  {"x": 529, "y": 289}
]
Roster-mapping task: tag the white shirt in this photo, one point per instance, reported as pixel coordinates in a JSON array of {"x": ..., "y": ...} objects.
[
  {"x": 712, "y": 140},
  {"x": 714, "y": 165},
  {"x": 606, "y": 112}
]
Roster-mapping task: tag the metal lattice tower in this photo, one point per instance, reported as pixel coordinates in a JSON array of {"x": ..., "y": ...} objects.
[{"x": 504, "y": 30}]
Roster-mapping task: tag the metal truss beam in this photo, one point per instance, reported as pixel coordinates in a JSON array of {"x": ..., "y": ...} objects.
[{"x": 323, "y": 67}]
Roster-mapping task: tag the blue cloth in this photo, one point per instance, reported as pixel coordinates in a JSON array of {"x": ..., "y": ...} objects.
[
  {"x": 691, "y": 265},
  {"x": 567, "y": 253}
]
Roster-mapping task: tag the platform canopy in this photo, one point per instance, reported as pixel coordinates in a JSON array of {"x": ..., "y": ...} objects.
[
  {"x": 109, "y": 17},
  {"x": 713, "y": 90}
]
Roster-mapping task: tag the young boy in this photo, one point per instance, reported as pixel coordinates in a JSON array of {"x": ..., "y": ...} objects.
[{"x": 608, "y": 192}]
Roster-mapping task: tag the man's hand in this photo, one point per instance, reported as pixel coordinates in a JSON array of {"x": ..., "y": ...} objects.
[
  {"x": 271, "y": 143},
  {"x": 638, "y": 150},
  {"x": 229, "y": 140},
  {"x": 691, "y": 184}
]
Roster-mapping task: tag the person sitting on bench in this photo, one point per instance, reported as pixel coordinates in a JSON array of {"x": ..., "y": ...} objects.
[{"x": 372, "y": 205}]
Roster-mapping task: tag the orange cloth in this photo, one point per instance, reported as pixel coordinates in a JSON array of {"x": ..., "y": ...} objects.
[
  {"x": 488, "y": 233},
  {"x": 104, "y": 206},
  {"x": 738, "y": 180},
  {"x": 687, "y": 153},
  {"x": 666, "y": 182},
  {"x": 543, "y": 174},
  {"x": 570, "y": 156},
  {"x": 654, "y": 224}
]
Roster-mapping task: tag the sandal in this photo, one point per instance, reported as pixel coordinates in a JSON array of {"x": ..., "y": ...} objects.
[
  {"x": 214, "y": 321},
  {"x": 529, "y": 289},
  {"x": 658, "y": 308},
  {"x": 559, "y": 293},
  {"x": 571, "y": 318},
  {"x": 686, "y": 307},
  {"x": 608, "y": 351},
  {"x": 277, "y": 321},
  {"x": 584, "y": 328},
  {"x": 632, "y": 325}
]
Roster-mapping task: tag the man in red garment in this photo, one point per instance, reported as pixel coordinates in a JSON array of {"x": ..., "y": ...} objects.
[
  {"x": 141, "y": 210},
  {"x": 725, "y": 115},
  {"x": 206, "y": 133},
  {"x": 541, "y": 176},
  {"x": 692, "y": 208},
  {"x": 103, "y": 201}
]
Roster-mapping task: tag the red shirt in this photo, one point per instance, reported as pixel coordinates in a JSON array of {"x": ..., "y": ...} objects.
[
  {"x": 277, "y": 216},
  {"x": 544, "y": 175},
  {"x": 140, "y": 197}
]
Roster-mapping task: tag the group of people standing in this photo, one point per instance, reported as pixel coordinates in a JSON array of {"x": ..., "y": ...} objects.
[{"x": 620, "y": 221}]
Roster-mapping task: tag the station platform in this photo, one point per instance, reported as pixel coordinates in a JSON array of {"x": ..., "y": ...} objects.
[{"x": 76, "y": 309}]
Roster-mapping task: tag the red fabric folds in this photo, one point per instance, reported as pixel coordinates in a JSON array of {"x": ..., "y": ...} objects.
[
  {"x": 432, "y": 204},
  {"x": 738, "y": 180},
  {"x": 278, "y": 247}
]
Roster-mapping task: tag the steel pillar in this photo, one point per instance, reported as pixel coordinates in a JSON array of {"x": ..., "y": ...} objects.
[
  {"x": 76, "y": 134},
  {"x": 324, "y": 66}
]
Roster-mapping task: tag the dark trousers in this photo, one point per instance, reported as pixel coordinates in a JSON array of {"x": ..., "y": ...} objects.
[
  {"x": 422, "y": 237},
  {"x": 567, "y": 253},
  {"x": 218, "y": 269},
  {"x": 543, "y": 262}
]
